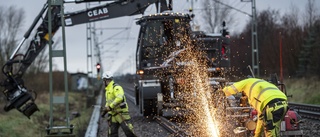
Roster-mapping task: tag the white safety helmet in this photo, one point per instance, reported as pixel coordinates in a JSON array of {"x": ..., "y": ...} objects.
[{"x": 107, "y": 75}]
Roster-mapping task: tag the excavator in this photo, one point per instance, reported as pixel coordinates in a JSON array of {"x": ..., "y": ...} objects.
[{"x": 20, "y": 97}]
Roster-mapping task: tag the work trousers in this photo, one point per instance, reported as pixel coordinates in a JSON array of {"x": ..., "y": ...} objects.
[
  {"x": 270, "y": 119},
  {"x": 122, "y": 121}
]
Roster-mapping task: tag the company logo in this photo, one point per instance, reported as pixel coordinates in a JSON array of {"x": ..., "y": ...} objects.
[{"x": 97, "y": 12}]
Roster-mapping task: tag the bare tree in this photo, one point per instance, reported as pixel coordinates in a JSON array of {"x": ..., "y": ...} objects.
[
  {"x": 214, "y": 14},
  {"x": 300, "y": 43},
  {"x": 311, "y": 13},
  {"x": 11, "y": 21},
  {"x": 291, "y": 36},
  {"x": 290, "y": 21},
  {"x": 268, "y": 24}
]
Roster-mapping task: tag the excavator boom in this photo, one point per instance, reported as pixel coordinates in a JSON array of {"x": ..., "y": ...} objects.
[
  {"x": 108, "y": 11},
  {"x": 16, "y": 93}
]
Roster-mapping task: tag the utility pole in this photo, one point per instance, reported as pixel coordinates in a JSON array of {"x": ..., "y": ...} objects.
[
  {"x": 254, "y": 34},
  {"x": 89, "y": 28},
  {"x": 52, "y": 129},
  {"x": 254, "y": 38}
]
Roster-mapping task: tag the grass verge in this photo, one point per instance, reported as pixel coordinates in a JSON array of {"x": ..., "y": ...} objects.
[
  {"x": 15, "y": 124},
  {"x": 304, "y": 90}
]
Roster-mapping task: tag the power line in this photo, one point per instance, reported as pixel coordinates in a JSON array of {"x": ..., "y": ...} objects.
[
  {"x": 112, "y": 36},
  {"x": 233, "y": 8}
]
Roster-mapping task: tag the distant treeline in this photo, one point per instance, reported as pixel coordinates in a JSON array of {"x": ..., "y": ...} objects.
[{"x": 300, "y": 42}]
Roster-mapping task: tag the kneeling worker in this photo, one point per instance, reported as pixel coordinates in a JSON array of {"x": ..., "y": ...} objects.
[
  {"x": 270, "y": 103},
  {"x": 116, "y": 107}
]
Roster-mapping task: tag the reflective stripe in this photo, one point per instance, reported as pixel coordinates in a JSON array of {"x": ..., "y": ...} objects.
[
  {"x": 277, "y": 103},
  {"x": 261, "y": 92},
  {"x": 234, "y": 88},
  {"x": 121, "y": 104},
  {"x": 119, "y": 96},
  {"x": 228, "y": 91},
  {"x": 149, "y": 83},
  {"x": 114, "y": 104},
  {"x": 250, "y": 91}
]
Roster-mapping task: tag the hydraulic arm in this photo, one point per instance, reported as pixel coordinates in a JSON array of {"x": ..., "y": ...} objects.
[{"x": 17, "y": 95}]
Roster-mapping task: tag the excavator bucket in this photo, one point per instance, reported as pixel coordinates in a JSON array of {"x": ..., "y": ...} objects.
[{"x": 24, "y": 103}]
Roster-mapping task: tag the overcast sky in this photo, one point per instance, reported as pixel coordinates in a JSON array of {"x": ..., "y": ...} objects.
[{"x": 124, "y": 41}]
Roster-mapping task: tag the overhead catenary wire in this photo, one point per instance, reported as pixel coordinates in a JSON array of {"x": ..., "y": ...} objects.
[
  {"x": 109, "y": 38},
  {"x": 232, "y": 7}
]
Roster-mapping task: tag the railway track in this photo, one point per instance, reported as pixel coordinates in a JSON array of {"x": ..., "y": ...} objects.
[
  {"x": 306, "y": 110},
  {"x": 175, "y": 130}
]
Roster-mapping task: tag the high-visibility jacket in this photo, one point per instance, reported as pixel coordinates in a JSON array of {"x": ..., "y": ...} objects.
[
  {"x": 115, "y": 99},
  {"x": 259, "y": 92}
]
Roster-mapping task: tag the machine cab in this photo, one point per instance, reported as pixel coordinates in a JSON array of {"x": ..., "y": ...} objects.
[
  {"x": 217, "y": 49},
  {"x": 160, "y": 35}
]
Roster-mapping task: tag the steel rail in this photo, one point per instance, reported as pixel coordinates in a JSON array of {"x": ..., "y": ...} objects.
[
  {"x": 171, "y": 127},
  {"x": 309, "y": 111}
]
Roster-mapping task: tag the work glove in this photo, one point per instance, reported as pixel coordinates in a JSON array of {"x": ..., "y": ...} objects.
[
  {"x": 103, "y": 114},
  {"x": 105, "y": 111}
]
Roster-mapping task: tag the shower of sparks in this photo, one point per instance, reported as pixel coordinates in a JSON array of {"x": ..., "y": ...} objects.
[
  {"x": 197, "y": 94},
  {"x": 205, "y": 117},
  {"x": 208, "y": 118}
]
